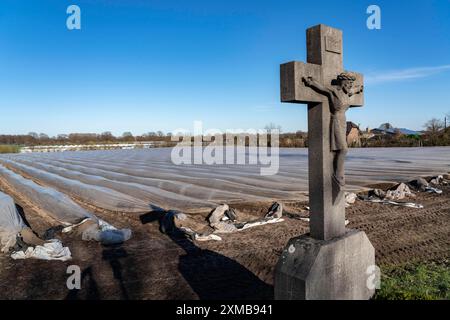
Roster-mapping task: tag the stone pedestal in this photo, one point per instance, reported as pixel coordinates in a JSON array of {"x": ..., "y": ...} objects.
[{"x": 335, "y": 269}]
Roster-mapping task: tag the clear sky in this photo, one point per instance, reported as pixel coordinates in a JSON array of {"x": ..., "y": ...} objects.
[{"x": 144, "y": 66}]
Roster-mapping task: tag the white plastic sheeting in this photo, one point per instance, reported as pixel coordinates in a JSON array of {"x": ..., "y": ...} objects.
[
  {"x": 93, "y": 194},
  {"x": 56, "y": 204},
  {"x": 143, "y": 179},
  {"x": 11, "y": 222},
  {"x": 141, "y": 188},
  {"x": 52, "y": 250},
  {"x": 102, "y": 232},
  {"x": 63, "y": 209}
]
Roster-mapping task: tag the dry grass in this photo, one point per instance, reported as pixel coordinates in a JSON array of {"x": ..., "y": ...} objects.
[{"x": 6, "y": 148}]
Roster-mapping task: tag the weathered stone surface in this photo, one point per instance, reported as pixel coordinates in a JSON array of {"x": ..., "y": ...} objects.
[
  {"x": 311, "y": 269},
  {"x": 332, "y": 261},
  {"x": 313, "y": 83},
  {"x": 293, "y": 89}
]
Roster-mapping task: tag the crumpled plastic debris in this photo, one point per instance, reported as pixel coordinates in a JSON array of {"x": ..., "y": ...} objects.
[
  {"x": 259, "y": 223},
  {"x": 222, "y": 219},
  {"x": 308, "y": 219},
  {"x": 398, "y": 192},
  {"x": 433, "y": 190},
  {"x": 52, "y": 250},
  {"x": 394, "y": 194},
  {"x": 275, "y": 211},
  {"x": 225, "y": 227},
  {"x": 230, "y": 214},
  {"x": 438, "y": 180},
  {"x": 395, "y": 203},
  {"x": 216, "y": 216},
  {"x": 402, "y": 191},
  {"x": 200, "y": 237},
  {"x": 350, "y": 198},
  {"x": 100, "y": 231},
  {"x": 11, "y": 223},
  {"x": 273, "y": 215},
  {"x": 420, "y": 184},
  {"x": 377, "y": 193}
]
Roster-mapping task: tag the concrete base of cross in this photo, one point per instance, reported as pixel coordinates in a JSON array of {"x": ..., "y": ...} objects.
[{"x": 338, "y": 269}]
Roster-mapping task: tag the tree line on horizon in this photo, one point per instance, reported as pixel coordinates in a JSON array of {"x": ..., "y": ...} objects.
[
  {"x": 436, "y": 133},
  {"x": 41, "y": 139}
]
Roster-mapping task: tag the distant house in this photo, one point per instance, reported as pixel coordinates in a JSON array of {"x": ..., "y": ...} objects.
[
  {"x": 406, "y": 132},
  {"x": 378, "y": 132},
  {"x": 389, "y": 130},
  {"x": 353, "y": 135}
]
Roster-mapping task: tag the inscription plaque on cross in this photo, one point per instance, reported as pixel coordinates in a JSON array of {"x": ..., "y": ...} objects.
[{"x": 316, "y": 83}]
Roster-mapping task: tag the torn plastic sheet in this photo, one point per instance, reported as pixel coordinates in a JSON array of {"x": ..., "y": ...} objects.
[
  {"x": 420, "y": 184},
  {"x": 260, "y": 223},
  {"x": 64, "y": 210},
  {"x": 101, "y": 231},
  {"x": 395, "y": 203},
  {"x": 350, "y": 198},
  {"x": 398, "y": 192},
  {"x": 200, "y": 237},
  {"x": 433, "y": 190},
  {"x": 11, "y": 223},
  {"x": 308, "y": 220},
  {"x": 51, "y": 250},
  {"x": 222, "y": 219}
]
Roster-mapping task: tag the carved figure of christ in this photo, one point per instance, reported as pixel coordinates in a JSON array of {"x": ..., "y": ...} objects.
[{"x": 339, "y": 103}]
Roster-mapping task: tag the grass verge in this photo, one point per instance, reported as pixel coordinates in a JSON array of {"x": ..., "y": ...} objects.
[
  {"x": 423, "y": 281},
  {"x": 9, "y": 148}
]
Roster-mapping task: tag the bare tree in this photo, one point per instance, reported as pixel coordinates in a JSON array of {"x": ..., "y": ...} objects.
[
  {"x": 107, "y": 136},
  {"x": 433, "y": 126},
  {"x": 33, "y": 135},
  {"x": 271, "y": 127},
  {"x": 127, "y": 137}
]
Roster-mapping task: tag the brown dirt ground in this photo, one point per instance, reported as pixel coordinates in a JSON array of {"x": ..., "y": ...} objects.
[{"x": 155, "y": 266}]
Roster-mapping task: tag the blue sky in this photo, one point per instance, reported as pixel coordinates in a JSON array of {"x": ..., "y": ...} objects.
[{"x": 143, "y": 66}]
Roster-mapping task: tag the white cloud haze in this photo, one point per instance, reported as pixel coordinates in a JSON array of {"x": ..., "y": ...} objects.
[{"x": 406, "y": 74}]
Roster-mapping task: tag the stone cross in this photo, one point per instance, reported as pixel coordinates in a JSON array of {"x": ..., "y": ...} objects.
[
  {"x": 325, "y": 64},
  {"x": 332, "y": 262}
]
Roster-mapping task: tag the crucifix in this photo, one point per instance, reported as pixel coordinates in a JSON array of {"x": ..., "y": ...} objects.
[
  {"x": 331, "y": 262},
  {"x": 329, "y": 92}
]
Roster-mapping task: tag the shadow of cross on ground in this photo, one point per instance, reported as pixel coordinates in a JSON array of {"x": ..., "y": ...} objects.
[{"x": 213, "y": 276}]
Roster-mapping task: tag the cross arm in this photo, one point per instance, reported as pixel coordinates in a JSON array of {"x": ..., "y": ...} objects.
[
  {"x": 293, "y": 89},
  {"x": 357, "y": 100}
]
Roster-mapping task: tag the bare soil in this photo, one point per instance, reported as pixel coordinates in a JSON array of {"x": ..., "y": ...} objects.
[{"x": 153, "y": 265}]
